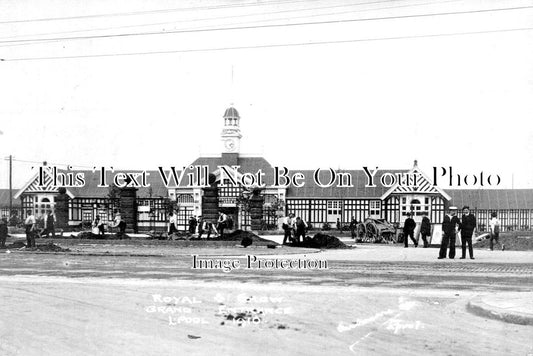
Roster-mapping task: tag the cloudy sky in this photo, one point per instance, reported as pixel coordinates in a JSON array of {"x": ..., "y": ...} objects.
[{"x": 340, "y": 84}]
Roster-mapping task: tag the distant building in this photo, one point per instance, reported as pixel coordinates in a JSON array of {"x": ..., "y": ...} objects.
[
  {"x": 314, "y": 204},
  {"x": 4, "y": 204}
]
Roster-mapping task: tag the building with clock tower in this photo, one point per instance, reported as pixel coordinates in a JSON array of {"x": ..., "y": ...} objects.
[{"x": 317, "y": 205}]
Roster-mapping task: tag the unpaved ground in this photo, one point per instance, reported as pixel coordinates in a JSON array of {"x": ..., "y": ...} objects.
[
  {"x": 370, "y": 301},
  {"x": 137, "y": 247},
  {"x": 54, "y": 316}
]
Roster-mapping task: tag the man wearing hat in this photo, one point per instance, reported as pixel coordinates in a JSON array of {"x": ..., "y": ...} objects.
[
  {"x": 467, "y": 227},
  {"x": 450, "y": 223},
  {"x": 409, "y": 231}
]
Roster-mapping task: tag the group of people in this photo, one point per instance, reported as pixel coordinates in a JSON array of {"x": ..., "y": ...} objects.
[
  {"x": 201, "y": 225},
  {"x": 32, "y": 230},
  {"x": 409, "y": 227},
  {"x": 451, "y": 225},
  {"x": 467, "y": 225},
  {"x": 294, "y": 229}
]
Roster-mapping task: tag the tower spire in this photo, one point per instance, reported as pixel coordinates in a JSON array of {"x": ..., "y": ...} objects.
[{"x": 231, "y": 133}]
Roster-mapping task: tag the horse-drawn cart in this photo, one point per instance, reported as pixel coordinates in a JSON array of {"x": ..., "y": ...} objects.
[{"x": 376, "y": 231}]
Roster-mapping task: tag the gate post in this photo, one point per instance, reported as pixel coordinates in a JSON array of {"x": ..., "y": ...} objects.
[
  {"x": 128, "y": 208},
  {"x": 61, "y": 208}
]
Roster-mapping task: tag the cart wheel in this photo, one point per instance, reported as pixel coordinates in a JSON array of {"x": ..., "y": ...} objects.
[{"x": 371, "y": 232}]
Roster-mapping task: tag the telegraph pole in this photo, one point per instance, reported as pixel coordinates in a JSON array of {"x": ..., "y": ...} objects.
[{"x": 10, "y": 186}]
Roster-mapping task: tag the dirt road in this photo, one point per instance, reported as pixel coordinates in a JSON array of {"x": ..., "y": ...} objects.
[{"x": 64, "y": 304}]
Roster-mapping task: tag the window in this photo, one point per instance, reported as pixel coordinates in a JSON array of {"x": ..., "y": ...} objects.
[
  {"x": 334, "y": 207},
  {"x": 228, "y": 194},
  {"x": 375, "y": 208},
  {"x": 415, "y": 206},
  {"x": 184, "y": 213},
  {"x": 392, "y": 209},
  {"x": 87, "y": 216},
  {"x": 313, "y": 211},
  {"x": 357, "y": 208},
  {"x": 437, "y": 210},
  {"x": 156, "y": 213},
  {"x": 185, "y": 199}
]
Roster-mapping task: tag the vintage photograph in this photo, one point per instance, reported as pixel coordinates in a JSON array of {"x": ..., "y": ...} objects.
[{"x": 266, "y": 177}]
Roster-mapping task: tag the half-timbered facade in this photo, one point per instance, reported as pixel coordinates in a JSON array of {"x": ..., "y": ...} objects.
[
  {"x": 315, "y": 204},
  {"x": 88, "y": 201}
]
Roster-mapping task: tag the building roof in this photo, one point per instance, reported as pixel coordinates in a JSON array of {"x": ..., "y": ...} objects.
[
  {"x": 475, "y": 198},
  {"x": 359, "y": 181},
  {"x": 247, "y": 165},
  {"x": 492, "y": 198},
  {"x": 91, "y": 189},
  {"x": 232, "y": 113},
  {"x": 92, "y": 179}
]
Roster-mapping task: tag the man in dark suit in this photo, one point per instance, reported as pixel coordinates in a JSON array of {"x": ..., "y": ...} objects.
[
  {"x": 353, "y": 227},
  {"x": 49, "y": 225},
  {"x": 467, "y": 227},
  {"x": 409, "y": 230},
  {"x": 449, "y": 226},
  {"x": 425, "y": 229}
]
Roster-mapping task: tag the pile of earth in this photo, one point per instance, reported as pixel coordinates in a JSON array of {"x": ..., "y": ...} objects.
[
  {"x": 177, "y": 235},
  {"x": 51, "y": 247},
  {"x": 512, "y": 242},
  {"x": 90, "y": 235},
  {"x": 17, "y": 244},
  {"x": 246, "y": 238},
  {"x": 322, "y": 241}
]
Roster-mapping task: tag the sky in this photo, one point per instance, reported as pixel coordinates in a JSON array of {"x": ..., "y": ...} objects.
[{"x": 387, "y": 84}]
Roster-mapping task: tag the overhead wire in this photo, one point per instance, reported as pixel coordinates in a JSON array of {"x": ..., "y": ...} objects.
[
  {"x": 239, "y": 16},
  {"x": 383, "y": 18},
  {"x": 279, "y": 45},
  {"x": 158, "y": 11}
]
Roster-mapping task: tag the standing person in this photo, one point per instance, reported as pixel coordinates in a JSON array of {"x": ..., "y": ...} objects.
[
  {"x": 97, "y": 226},
  {"x": 425, "y": 229},
  {"x": 49, "y": 224},
  {"x": 30, "y": 224},
  {"x": 210, "y": 228},
  {"x": 467, "y": 227},
  {"x": 3, "y": 232},
  {"x": 409, "y": 231},
  {"x": 121, "y": 224},
  {"x": 200, "y": 226},
  {"x": 172, "y": 224},
  {"x": 287, "y": 228},
  {"x": 494, "y": 224},
  {"x": 300, "y": 227},
  {"x": 192, "y": 224},
  {"x": 222, "y": 223},
  {"x": 229, "y": 223},
  {"x": 450, "y": 224},
  {"x": 339, "y": 226},
  {"x": 353, "y": 227}
]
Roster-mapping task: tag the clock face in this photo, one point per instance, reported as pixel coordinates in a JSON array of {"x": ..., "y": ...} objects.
[{"x": 230, "y": 145}]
